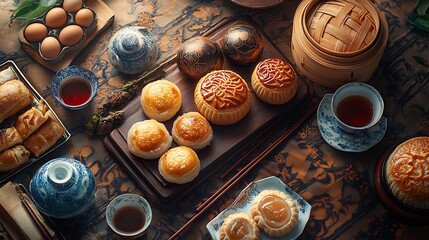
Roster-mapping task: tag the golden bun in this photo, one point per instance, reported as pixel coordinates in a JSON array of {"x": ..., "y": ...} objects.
[
  {"x": 161, "y": 100},
  {"x": 148, "y": 139},
  {"x": 192, "y": 130},
  {"x": 407, "y": 172},
  {"x": 274, "y": 81},
  {"x": 223, "y": 97},
  {"x": 274, "y": 212},
  {"x": 239, "y": 226},
  {"x": 179, "y": 165}
]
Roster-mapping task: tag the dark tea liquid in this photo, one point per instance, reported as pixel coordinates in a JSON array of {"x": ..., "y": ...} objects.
[
  {"x": 129, "y": 219},
  {"x": 75, "y": 91},
  {"x": 355, "y": 111}
]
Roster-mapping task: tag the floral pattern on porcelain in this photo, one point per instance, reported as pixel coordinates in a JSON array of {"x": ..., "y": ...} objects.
[
  {"x": 70, "y": 72},
  {"x": 344, "y": 141},
  {"x": 63, "y": 188},
  {"x": 132, "y": 50},
  {"x": 244, "y": 201}
]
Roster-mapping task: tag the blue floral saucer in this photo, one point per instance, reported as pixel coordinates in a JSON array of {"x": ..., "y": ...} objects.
[
  {"x": 341, "y": 140},
  {"x": 244, "y": 200}
]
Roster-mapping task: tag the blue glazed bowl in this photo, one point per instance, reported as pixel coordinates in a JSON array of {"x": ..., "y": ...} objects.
[
  {"x": 63, "y": 188},
  {"x": 72, "y": 73}
]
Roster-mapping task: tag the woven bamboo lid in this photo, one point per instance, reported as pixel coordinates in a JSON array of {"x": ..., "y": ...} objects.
[{"x": 341, "y": 27}]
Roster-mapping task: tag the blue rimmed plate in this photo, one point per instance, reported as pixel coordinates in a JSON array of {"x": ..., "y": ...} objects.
[
  {"x": 244, "y": 200},
  {"x": 341, "y": 140}
]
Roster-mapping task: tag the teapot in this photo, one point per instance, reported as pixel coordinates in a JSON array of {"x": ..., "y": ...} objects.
[{"x": 133, "y": 50}]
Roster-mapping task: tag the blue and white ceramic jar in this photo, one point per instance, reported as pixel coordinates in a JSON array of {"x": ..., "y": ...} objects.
[
  {"x": 63, "y": 188},
  {"x": 132, "y": 50}
]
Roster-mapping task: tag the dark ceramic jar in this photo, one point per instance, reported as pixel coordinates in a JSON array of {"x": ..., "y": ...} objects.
[
  {"x": 242, "y": 44},
  {"x": 199, "y": 56}
]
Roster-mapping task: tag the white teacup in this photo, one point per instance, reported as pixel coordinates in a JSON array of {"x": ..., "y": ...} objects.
[
  {"x": 129, "y": 215},
  {"x": 357, "y": 107}
]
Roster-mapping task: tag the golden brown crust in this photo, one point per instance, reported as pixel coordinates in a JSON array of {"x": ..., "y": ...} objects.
[
  {"x": 161, "y": 100},
  {"x": 239, "y": 226},
  {"x": 29, "y": 121},
  {"x": 193, "y": 130},
  {"x": 179, "y": 165},
  {"x": 44, "y": 137},
  {"x": 13, "y": 157},
  {"x": 148, "y": 139},
  {"x": 407, "y": 172},
  {"x": 223, "y": 97},
  {"x": 14, "y": 96},
  {"x": 274, "y": 212},
  {"x": 274, "y": 81},
  {"x": 9, "y": 137}
]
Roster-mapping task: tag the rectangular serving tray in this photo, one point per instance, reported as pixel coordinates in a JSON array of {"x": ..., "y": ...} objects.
[
  {"x": 228, "y": 141},
  {"x": 11, "y": 67}
]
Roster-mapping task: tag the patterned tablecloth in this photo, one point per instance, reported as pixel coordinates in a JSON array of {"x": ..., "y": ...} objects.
[{"x": 338, "y": 185}]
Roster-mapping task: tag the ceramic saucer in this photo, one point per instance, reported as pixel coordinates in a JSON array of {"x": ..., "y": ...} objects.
[{"x": 341, "y": 140}]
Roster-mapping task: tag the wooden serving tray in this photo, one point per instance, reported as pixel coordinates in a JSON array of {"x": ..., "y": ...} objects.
[
  {"x": 228, "y": 140},
  {"x": 105, "y": 17}
]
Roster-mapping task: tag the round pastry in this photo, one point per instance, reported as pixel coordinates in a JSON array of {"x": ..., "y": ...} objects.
[
  {"x": 192, "y": 130},
  {"x": 274, "y": 81},
  {"x": 161, "y": 100},
  {"x": 407, "y": 172},
  {"x": 274, "y": 212},
  {"x": 239, "y": 226},
  {"x": 223, "y": 97},
  {"x": 148, "y": 139},
  {"x": 179, "y": 165}
]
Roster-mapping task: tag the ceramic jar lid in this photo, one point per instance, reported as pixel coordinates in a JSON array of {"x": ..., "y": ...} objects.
[
  {"x": 132, "y": 50},
  {"x": 63, "y": 188}
]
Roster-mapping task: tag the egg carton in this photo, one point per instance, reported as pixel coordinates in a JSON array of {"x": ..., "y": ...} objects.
[{"x": 55, "y": 32}]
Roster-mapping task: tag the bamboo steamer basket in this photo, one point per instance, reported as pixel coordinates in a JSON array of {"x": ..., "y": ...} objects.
[{"x": 338, "y": 41}]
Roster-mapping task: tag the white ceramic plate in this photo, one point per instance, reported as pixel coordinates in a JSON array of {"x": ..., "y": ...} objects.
[
  {"x": 341, "y": 140},
  {"x": 244, "y": 201}
]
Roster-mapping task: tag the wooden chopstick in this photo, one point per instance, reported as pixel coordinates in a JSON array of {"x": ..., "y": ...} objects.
[
  {"x": 45, "y": 233},
  {"x": 259, "y": 158},
  {"x": 234, "y": 180}
]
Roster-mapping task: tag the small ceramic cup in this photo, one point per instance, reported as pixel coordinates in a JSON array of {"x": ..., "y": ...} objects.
[
  {"x": 74, "y": 87},
  {"x": 129, "y": 215},
  {"x": 357, "y": 107}
]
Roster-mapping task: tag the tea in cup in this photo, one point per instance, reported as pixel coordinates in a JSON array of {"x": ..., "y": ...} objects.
[
  {"x": 129, "y": 215},
  {"x": 357, "y": 107},
  {"x": 74, "y": 87}
]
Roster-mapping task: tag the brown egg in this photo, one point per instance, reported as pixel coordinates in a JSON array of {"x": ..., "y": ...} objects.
[
  {"x": 35, "y": 32},
  {"x": 84, "y": 17},
  {"x": 50, "y": 48},
  {"x": 56, "y": 17},
  {"x": 199, "y": 56},
  {"x": 72, "y": 6},
  {"x": 71, "y": 35}
]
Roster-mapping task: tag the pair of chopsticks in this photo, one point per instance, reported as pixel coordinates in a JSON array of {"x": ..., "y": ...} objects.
[
  {"x": 42, "y": 228},
  {"x": 237, "y": 177}
]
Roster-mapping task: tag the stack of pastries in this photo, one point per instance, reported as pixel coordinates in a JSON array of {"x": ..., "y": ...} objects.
[
  {"x": 150, "y": 138},
  {"x": 35, "y": 129}
]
